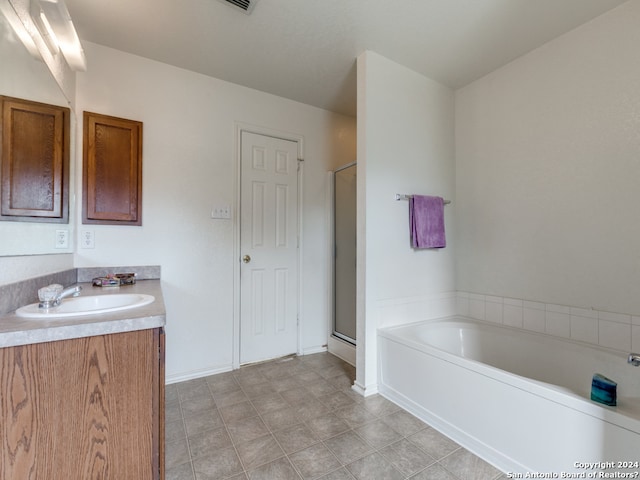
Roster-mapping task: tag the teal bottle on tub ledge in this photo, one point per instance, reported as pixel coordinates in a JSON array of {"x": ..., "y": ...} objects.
[{"x": 604, "y": 390}]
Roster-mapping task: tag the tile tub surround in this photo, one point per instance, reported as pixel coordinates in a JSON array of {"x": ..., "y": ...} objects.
[
  {"x": 606, "y": 329},
  {"x": 298, "y": 418},
  {"x": 15, "y": 295}
]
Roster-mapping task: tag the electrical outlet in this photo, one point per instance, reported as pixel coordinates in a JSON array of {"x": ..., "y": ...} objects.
[
  {"x": 87, "y": 239},
  {"x": 221, "y": 211},
  {"x": 62, "y": 239}
]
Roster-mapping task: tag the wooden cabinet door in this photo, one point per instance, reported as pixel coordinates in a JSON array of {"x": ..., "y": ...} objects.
[
  {"x": 112, "y": 170},
  {"x": 81, "y": 409},
  {"x": 34, "y": 161}
]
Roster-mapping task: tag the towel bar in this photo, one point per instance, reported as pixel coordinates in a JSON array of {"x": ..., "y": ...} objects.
[{"x": 403, "y": 196}]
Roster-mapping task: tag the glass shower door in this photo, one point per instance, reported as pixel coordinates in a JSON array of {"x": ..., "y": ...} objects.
[{"x": 344, "y": 325}]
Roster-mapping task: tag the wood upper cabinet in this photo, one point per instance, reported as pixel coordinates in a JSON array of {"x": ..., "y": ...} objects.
[
  {"x": 34, "y": 161},
  {"x": 87, "y": 408},
  {"x": 112, "y": 170}
]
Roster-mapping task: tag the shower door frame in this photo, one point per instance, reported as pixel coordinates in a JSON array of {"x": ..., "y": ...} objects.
[{"x": 344, "y": 338}]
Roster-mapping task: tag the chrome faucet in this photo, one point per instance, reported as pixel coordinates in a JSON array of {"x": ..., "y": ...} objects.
[
  {"x": 634, "y": 359},
  {"x": 52, "y": 295}
]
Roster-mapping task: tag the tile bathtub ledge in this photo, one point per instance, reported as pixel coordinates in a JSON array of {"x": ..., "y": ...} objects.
[{"x": 16, "y": 331}]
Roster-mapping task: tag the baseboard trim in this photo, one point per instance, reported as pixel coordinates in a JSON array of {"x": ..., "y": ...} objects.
[
  {"x": 475, "y": 446},
  {"x": 342, "y": 350},
  {"x": 181, "y": 377},
  {"x": 312, "y": 350},
  {"x": 365, "y": 391}
]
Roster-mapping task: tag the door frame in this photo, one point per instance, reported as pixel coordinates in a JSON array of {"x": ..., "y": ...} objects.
[{"x": 241, "y": 127}]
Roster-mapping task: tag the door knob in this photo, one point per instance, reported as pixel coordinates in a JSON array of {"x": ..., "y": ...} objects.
[{"x": 246, "y": 259}]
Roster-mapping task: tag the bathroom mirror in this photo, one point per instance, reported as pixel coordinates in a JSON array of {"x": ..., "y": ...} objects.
[{"x": 23, "y": 76}]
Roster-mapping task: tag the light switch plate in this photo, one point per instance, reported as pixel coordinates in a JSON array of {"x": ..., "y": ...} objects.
[{"x": 221, "y": 212}]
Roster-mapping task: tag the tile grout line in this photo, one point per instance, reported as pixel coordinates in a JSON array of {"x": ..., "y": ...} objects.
[
  {"x": 301, "y": 422},
  {"x": 377, "y": 411},
  {"x": 322, "y": 441},
  {"x": 276, "y": 440},
  {"x": 186, "y": 433},
  {"x": 271, "y": 432},
  {"x": 351, "y": 429},
  {"x": 224, "y": 423}
]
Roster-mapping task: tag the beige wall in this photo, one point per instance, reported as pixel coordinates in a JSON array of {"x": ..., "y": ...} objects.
[
  {"x": 547, "y": 171},
  {"x": 405, "y": 145},
  {"x": 189, "y": 163}
]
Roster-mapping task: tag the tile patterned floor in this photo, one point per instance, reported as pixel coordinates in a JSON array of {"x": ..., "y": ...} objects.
[{"x": 297, "y": 418}]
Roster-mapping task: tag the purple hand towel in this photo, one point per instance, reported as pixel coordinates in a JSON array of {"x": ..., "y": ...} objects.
[{"x": 426, "y": 221}]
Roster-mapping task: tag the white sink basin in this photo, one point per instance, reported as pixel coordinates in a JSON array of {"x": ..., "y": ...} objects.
[{"x": 87, "y": 305}]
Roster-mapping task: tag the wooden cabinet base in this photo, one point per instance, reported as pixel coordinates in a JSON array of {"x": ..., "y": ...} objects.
[{"x": 87, "y": 408}]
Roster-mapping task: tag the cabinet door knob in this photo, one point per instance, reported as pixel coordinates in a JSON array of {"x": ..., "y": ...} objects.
[{"x": 246, "y": 259}]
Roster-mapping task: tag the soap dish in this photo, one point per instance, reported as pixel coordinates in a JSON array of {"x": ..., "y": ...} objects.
[
  {"x": 115, "y": 280},
  {"x": 126, "y": 278}
]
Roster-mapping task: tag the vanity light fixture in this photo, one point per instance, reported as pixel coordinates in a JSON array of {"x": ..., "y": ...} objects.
[
  {"x": 12, "y": 17},
  {"x": 56, "y": 28},
  {"x": 44, "y": 27}
]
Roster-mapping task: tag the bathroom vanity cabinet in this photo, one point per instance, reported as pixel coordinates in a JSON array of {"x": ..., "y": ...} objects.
[{"x": 84, "y": 408}]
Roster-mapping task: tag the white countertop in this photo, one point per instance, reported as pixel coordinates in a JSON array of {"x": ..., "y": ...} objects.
[{"x": 15, "y": 330}]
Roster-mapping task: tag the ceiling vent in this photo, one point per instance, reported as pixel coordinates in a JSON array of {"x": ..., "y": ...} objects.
[{"x": 246, "y": 6}]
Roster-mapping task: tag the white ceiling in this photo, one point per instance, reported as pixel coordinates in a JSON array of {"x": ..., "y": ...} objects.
[{"x": 305, "y": 50}]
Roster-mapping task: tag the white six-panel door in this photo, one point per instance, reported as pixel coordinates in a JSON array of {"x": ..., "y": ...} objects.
[{"x": 268, "y": 247}]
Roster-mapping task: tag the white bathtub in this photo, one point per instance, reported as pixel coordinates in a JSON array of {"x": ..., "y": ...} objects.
[{"x": 518, "y": 399}]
